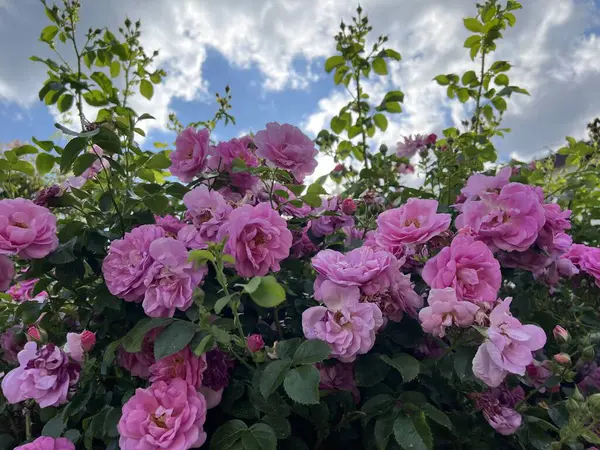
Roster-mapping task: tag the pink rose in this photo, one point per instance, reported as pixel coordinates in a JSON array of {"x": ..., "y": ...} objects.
[
  {"x": 78, "y": 344},
  {"x": 7, "y": 272},
  {"x": 538, "y": 374},
  {"x": 507, "y": 348},
  {"x": 415, "y": 222},
  {"x": 208, "y": 211},
  {"x": 301, "y": 244},
  {"x": 167, "y": 415},
  {"x": 23, "y": 291},
  {"x": 184, "y": 364},
  {"x": 411, "y": 145},
  {"x": 223, "y": 156},
  {"x": 398, "y": 299},
  {"x": 510, "y": 220},
  {"x": 329, "y": 224},
  {"x": 286, "y": 147},
  {"x": 138, "y": 363},
  {"x": 479, "y": 184},
  {"x": 26, "y": 229},
  {"x": 587, "y": 258},
  {"x": 213, "y": 398},
  {"x": 171, "y": 279},
  {"x": 255, "y": 343},
  {"x": 258, "y": 239},
  {"x": 88, "y": 340},
  {"x": 128, "y": 261},
  {"x": 45, "y": 375},
  {"x": 34, "y": 334},
  {"x": 348, "y": 206},
  {"x": 48, "y": 443},
  {"x": 498, "y": 406},
  {"x": 191, "y": 153},
  {"x": 170, "y": 224},
  {"x": 99, "y": 164},
  {"x": 467, "y": 266},
  {"x": 444, "y": 311},
  {"x": 348, "y": 326},
  {"x": 284, "y": 202},
  {"x": 552, "y": 236},
  {"x": 338, "y": 377}
]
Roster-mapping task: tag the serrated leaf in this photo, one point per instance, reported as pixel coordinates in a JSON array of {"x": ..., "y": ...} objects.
[
  {"x": 311, "y": 352},
  {"x": 285, "y": 349},
  {"x": 302, "y": 385},
  {"x": 273, "y": 375},
  {"x": 24, "y": 167},
  {"x": 174, "y": 338},
  {"x": 437, "y": 416},
  {"x": 54, "y": 427},
  {"x": 227, "y": 435},
  {"x": 49, "y": 33},
  {"x": 413, "y": 433},
  {"x": 115, "y": 69},
  {"x": 370, "y": 370},
  {"x": 132, "y": 342},
  {"x": 407, "y": 365}
]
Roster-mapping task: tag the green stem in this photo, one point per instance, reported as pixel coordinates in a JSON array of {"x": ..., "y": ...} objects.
[
  {"x": 242, "y": 360},
  {"x": 27, "y": 414},
  {"x": 223, "y": 282},
  {"x": 478, "y": 107},
  {"x": 363, "y": 132}
]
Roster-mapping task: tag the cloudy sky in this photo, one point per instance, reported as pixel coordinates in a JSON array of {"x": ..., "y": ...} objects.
[{"x": 271, "y": 53}]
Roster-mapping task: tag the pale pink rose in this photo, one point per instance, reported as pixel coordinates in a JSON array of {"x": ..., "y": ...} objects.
[
  {"x": 286, "y": 147},
  {"x": 7, "y": 272},
  {"x": 191, "y": 153},
  {"x": 23, "y": 291},
  {"x": 405, "y": 169},
  {"x": 222, "y": 159},
  {"x": 415, "y": 222},
  {"x": 184, "y": 364},
  {"x": 329, "y": 224},
  {"x": 78, "y": 344},
  {"x": 45, "y": 375},
  {"x": 167, "y": 415},
  {"x": 128, "y": 261},
  {"x": 171, "y": 279},
  {"x": 479, "y": 184},
  {"x": 170, "y": 224},
  {"x": 258, "y": 239},
  {"x": 468, "y": 266},
  {"x": 48, "y": 443},
  {"x": 26, "y": 229},
  {"x": 507, "y": 348},
  {"x": 409, "y": 146},
  {"x": 99, "y": 164},
  {"x": 510, "y": 220},
  {"x": 399, "y": 298},
  {"x": 255, "y": 342},
  {"x": 338, "y": 376},
  {"x": 350, "y": 330},
  {"x": 445, "y": 310}
]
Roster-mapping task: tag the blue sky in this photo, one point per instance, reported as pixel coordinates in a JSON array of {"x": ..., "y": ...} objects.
[{"x": 271, "y": 53}]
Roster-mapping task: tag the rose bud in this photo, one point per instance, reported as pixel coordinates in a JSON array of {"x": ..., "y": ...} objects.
[
  {"x": 561, "y": 335},
  {"x": 255, "y": 342},
  {"x": 348, "y": 206}
]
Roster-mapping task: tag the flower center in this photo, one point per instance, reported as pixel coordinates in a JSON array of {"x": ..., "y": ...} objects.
[
  {"x": 260, "y": 238},
  {"x": 414, "y": 222},
  {"x": 159, "y": 421},
  {"x": 204, "y": 216},
  {"x": 20, "y": 225}
]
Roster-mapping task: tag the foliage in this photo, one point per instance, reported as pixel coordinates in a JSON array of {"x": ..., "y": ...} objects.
[{"x": 275, "y": 354}]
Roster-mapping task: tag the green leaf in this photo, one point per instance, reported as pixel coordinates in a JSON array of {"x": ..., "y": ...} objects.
[
  {"x": 501, "y": 80},
  {"x": 337, "y": 124},
  {"x": 146, "y": 89},
  {"x": 157, "y": 203},
  {"x": 95, "y": 98},
  {"x": 227, "y": 435},
  {"x": 49, "y": 33},
  {"x": 469, "y": 77},
  {"x": 500, "y": 66},
  {"x": 281, "y": 426},
  {"x": 511, "y": 19},
  {"x": 394, "y": 96},
  {"x": 65, "y": 102},
  {"x": 103, "y": 82},
  {"x": 25, "y": 150},
  {"x": 499, "y": 103},
  {"x": 273, "y": 375},
  {"x": 115, "y": 69},
  {"x": 158, "y": 161},
  {"x": 393, "y": 107},
  {"x": 472, "y": 40},
  {"x": 201, "y": 256},
  {"x": 107, "y": 140},
  {"x": 146, "y": 116},
  {"x": 73, "y": 435},
  {"x": 392, "y": 54},
  {"x": 378, "y": 404},
  {"x": 463, "y": 95},
  {"x": 285, "y": 349},
  {"x": 132, "y": 342},
  {"x": 311, "y": 352},
  {"x": 24, "y": 167},
  {"x": 222, "y": 303},
  {"x": 380, "y": 66},
  {"x": 412, "y": 433},
  {"x": 370, "y": 370},
  {"x": 259, "y": 436},
  {"x": 268, "y": 293},
  {"x": 462, "y": 362},
  {"x": 70, "y": 152},
  {"x": 437, "y": 416},
  {"x": 205, "y": 344},
  {"x": 333, "y": 62},
  {"x": 384, "y": 428},
  {"x": 404, "y": 363},
  {"x": 442, "y": 80},
  {"x": 381, "y": 121},
  {"x": 473, "y": 25},
  {"x": 302, "y": 385},
  {"x": 83, "y": 162},
  {"x": 174, "y": 338},
  {"x": 121, "y": 50},
  {"x": 54, "y": 427}
]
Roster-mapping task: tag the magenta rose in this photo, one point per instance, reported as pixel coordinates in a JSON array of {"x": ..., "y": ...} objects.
[
  {"x": 445, "y": 310},
  {"x": 552, "y": 237},
  {"x": 45, "y": 375},
  {"x": 26, "y": 229},
  {"x": 469, "y": 267},
  {"x": 510, "y": 220},
  {"x": 415, "y": 222},
  {"x": 209, "y": 211},
  {"x": 348, "y": 326},
  {"x": 170, "y": 224},
  {"x": 7, "y": 272},
  {"x": 191, "y": 153},
  {"x": 171, "y": 279},
  {"x": 167, "y": 415},
  {"x": 255, "y": 343},
  {"x": 507, "y": 348},
  {"x": 128, "y": 261},
  {"x": 286, "y": 147},
  {"x": 586, "y": 258},
  {"x": 48, "y": 443},
  {"x": 258, "y": 239},
  {"x": 223, "y": 155},
  {"x": 184, "y": 364}
]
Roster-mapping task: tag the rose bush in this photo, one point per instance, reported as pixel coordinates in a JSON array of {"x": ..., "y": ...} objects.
[{"x": 215, "y": 295}]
